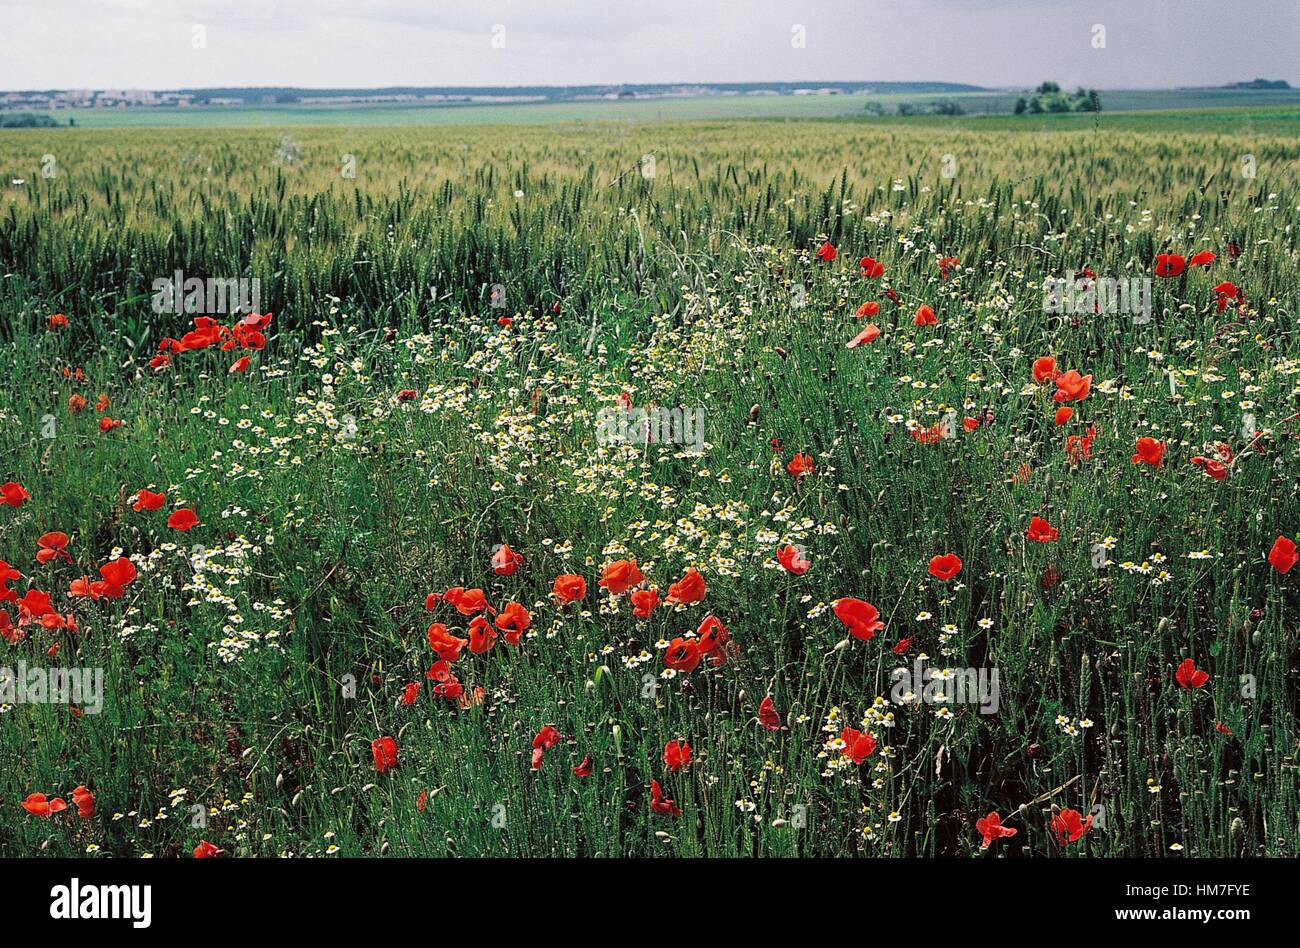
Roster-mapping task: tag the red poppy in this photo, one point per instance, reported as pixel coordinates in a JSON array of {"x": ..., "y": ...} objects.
[
  {"x": 767, "y": 714},
  {"x": 446, "y": 645},
  {"x": 661, "y": 804},
  {"x": 991, "y": 828},
  {"x": 1149, "y": 451},
  {"x": 871, "y": 269},
  {"x": 1068, "y": 826},
  {"x": 239, "y": 365},
  {"x": 205, "y": 850},
  {"x": 406, "y": 395},
  {"x": 384, "y": 751},
  {"x": 52, "y": 547},
  {"x": 901, "y": 646},
  {"x": 688, "y": 590},
  {"x": 792, "y": 560},
  {"x": 481, "y": 636},
  {"x": 861, "y": 617},
  {"x": 37, "y": 804},
  {"x": 410, "y": 693},
  {"x": 869, "y": 308},
  {"x": 545, "y": 739},
  {"x": 1040, "y": 531},
  {"x": 1211, "y": 468},
  {"x": 148, "y": 500},
  {"x": 826, "y": 252},
  {"x": 924, "y": 316},
  {"x": 505, "y": 561},
  {"x": 56, "y": 321},
  {"x": 870, "y": 334},
  {"x": 1283, "y": 555},
  {"x": 583, "y": 769},
  {"x": 1063, "y": 414},
  {"x": 712, "y": 636},
  {"x": 800, "y": 465},
  {"x": 117, "y": 574},
  {"x": 620, "y": 576},
  {"x": 569, "y": 587},
  {"x": 858, "y": 745},
  {"x": 84, "y": 801},
  {"x": 1225, "y": 293},
  {"x": 644, "y": 602},
  {"x": 1072, "y": 387},
  {"x": 682, "y": 655},
  {"x": 1044, "y": 369},
  {"x": 13, "y": 494},
  {"x": 1202, "y": 258},
  {"x": 946, "y": 566},
  {"x": 514, "y": 621},
  {"x": 466, "y": 601},
  {"x": 677, "y": 755},
  {"x": 1189, "y": 676},
  {"x": 947, "y": 264},
  {"x": 107, "y": 424},
  {"x": 76, "y": 403},
  {"x": 183, "y": 519},
  {"x": 1079, "y": 447},
  {"x": 1170, "y": 265}
]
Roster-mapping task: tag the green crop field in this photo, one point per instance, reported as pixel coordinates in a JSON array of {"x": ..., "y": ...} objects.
[{"x": 268, "y": 538}]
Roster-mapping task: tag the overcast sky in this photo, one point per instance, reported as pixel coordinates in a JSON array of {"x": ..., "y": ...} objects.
[{"x": 367, "y": 43}]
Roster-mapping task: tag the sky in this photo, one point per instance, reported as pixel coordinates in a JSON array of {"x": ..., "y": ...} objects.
[{"x": 1103, "y": 44}]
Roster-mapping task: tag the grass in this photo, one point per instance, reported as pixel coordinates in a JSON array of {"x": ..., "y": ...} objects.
[{"x": 258, "y": 655}]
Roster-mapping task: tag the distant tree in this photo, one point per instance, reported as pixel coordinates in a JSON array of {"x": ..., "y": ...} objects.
[
  {"x": 1094, "y": 101},
  {"x": 946, "y": 107},
  {"x": 906, "y": 108},
  {"x": 1047, "y": 88},
  {"x": 1036, "y": 106},
  {"x": 1021, "y": 105}
]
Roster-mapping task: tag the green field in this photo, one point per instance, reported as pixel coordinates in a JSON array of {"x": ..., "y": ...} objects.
[{"x": 452, "y": 328}]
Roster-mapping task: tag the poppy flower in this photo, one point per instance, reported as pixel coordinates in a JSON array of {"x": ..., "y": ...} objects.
[
  {"x": 117, "y": 574},
  {"x": 800, "y": 465},
  {"x": 869, "y": 308},
  {"x": 514, "y": 621},
  {"x": 1211, "y": 468},
  {"x": 583, "y": 769},
  {"x": 1040, "y": 531},
  {"x": 946, "y": 264},
  {"x": 1170, "y": 265},
  {"x": 826, "y": 252},
  {"x": 991, "y": 828},
  {"x": 384, "y": 751},
  {"x": 446, "y": 645},
  {"x": 661, "y": 804},
  {"x": 183, "y": 519},
  {"x": 481, "y": 636},
  {"x": 545, "y": 739},
  {"x": 858, "y": 745},
  {"x": 406, "y": 395},
  {"x": 107, "y": 424},
  {"x": 924, "y": 316},
  {"x": 1063, "y": 414},
  {"x": 13, "y": 494},
  {"x": 870, "y": 334},
  {"x": 1044, "y": 369},
  {"x": 767, "y": 714},
  {"x": 205, "y": 850},
  {"x": 56, "y": 321},
  {"x": 1079, "y": 447},
  {"x": 682, "y": 655},
  {"x": 1149, "y": 451},
  {"x": 1202, "y": 258},
  {"x": 1072, "y": 387},
  {"x": 1068, "y": 826},
  {"x": 102, "y": 403},
  {"x": 52, "y": 547},
  {"x": 410, "y": 693},
  {"x": 239, "y": 365},
  {"x": 901, "y": 646},
  {"x": 946, "y": 566},
  {"x": 861, "y": 617},
  {"x": 644, "y": 602},
  {"x": 792, "y": 560},
  {"x": 33, "y": 605},
  {"x": 712, "y": 638},
  {"x": 466, "y": 601},
  {"x": 76, "y": 403},
  {"x": 37, "y": 804},
  {"x": 505, "y": 561},
  {"x": 569, "y": 587},
  {"x": 871, "y": 269},
  {"x": 688, "y": 590},
  {"x": 1225, "y": 293},
  {"x": 84, "y": 801},
  {"x": 1189, "y": 676},
  {"x": 1283, "y": 555},
  {"x": 620, "y": 576},
  {"x": 148, "y": 500},
  {"x": 677, "y": 755}
]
